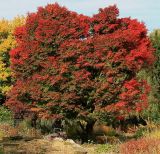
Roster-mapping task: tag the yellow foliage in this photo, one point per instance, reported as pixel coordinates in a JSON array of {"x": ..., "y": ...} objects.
[
  {"x": 7, "y": 42},
  {"x": 155, "y": 134}
]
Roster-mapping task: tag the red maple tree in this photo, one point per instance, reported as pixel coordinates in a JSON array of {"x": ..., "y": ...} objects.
[{"x": 71, "y": 64}]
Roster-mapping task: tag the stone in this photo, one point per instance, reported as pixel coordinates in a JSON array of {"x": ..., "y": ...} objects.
[
  {"x": 63, "y": 135},
  {"x": 58, "y": 139},
  {"x": 51, "y": 136},
  {"x": 69, "y": 141},
  {"x": 76, "y": 146}
]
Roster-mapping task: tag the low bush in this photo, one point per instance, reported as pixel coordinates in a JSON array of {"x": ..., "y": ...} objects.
[
  {"x": 141, "y": 146},
  {"x": 5, "y": 115}
]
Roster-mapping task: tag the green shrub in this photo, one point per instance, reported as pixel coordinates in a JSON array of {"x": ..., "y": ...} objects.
[
  {"x": 153, "y": 110},
  {"x": 140, "y": 132},
  {"x": 5, "y": 115}
]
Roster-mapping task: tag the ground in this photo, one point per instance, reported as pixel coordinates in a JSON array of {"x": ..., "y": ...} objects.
[{"x": 23, "y": 140}]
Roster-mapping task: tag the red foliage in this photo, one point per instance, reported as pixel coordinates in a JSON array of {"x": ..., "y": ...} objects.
[{"x": 71, "y": 64}]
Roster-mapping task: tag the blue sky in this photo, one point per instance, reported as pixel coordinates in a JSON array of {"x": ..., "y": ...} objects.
[{"x": 147, "y": 11}]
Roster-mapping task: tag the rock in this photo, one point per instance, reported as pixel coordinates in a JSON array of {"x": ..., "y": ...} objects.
[
  {"x": 63, "y": 135},
  {"x": 58, "y": 139},
  {"x": 76, "y": 146},
  {"x": 56, "y": 135},
  {"x": 69, "y": 141},
  {"x": 51, "y": 136},
  {"x": 78, "y": 149}
]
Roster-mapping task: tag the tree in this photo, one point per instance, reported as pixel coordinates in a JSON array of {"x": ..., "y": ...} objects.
[
  {"x": 152, "y": 74},
  {"x": 155, "y": 38},
  {"x": 7, "y": 42},
  {"x": 71, "y": 65}
]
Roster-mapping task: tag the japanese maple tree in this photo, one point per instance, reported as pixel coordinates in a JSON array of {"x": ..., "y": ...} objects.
[{"x": 71, "y": 65}]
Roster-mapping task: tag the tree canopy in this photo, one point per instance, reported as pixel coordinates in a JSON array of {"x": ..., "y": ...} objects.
[{"x": 73, "y": 65}]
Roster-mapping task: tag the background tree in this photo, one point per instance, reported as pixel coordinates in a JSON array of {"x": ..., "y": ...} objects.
[
  {"x": 7, "y": 42},
  {"x": 73, "y": 66},
  {"x": 155, "y": 38},
  {"x": 152, "y": 76}
]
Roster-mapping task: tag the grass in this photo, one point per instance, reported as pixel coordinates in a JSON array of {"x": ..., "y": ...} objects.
[
  {"x": 7, "y": 130},
  {"x": 141, "y": 146},
  {"x": 103, "y": 148},
  {"x": 146, "y": 141}
]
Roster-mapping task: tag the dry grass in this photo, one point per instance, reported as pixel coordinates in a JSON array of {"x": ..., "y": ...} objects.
[
  {"x": 141, "y": 146},
  {"x": 7, "y": 130}
]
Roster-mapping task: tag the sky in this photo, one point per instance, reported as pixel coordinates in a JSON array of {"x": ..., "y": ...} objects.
[{"x": 147, "y": 11}]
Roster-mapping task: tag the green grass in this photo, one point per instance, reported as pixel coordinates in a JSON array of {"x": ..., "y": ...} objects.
[{"x": 103, "y": 148}]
